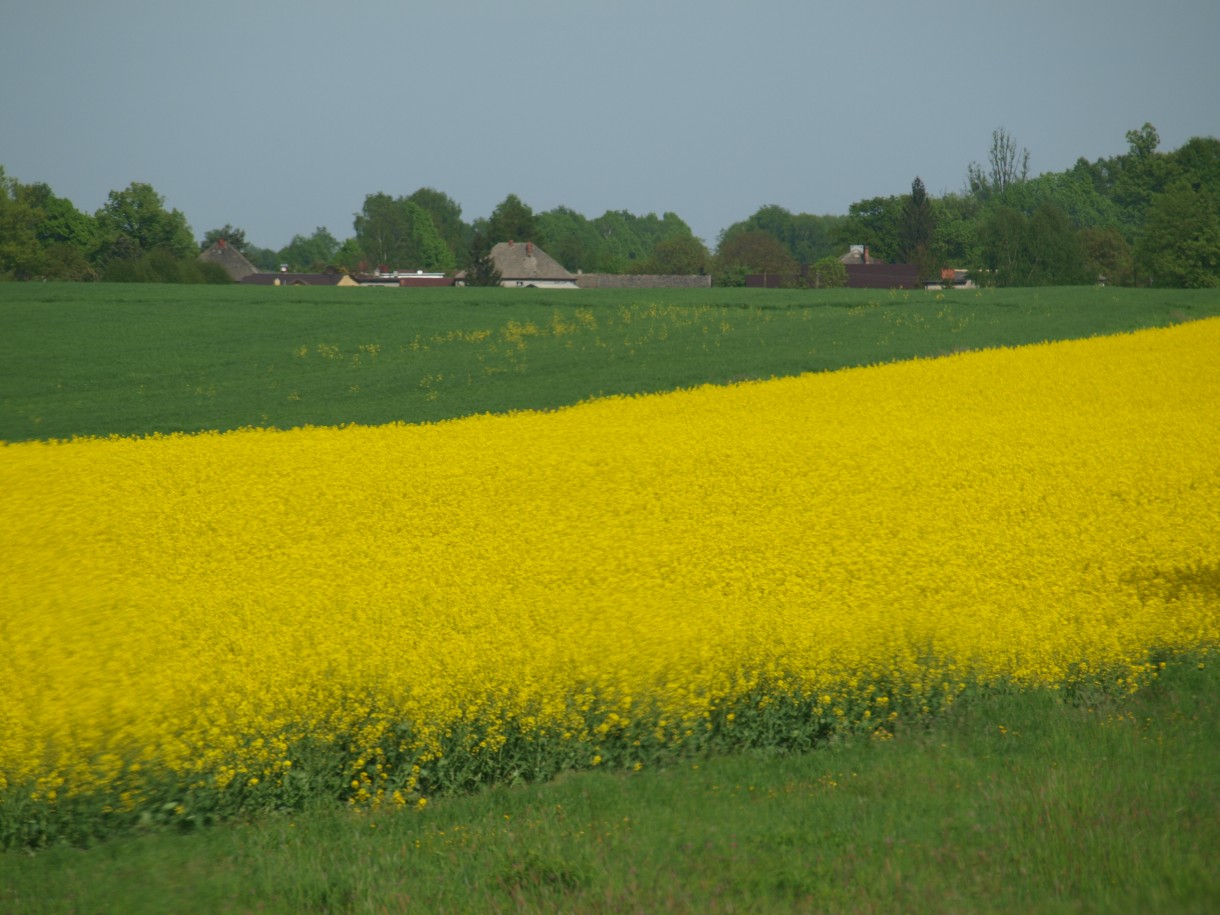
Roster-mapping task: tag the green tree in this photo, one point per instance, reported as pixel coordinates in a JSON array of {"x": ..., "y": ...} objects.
[
  {"x": 956, "y": 242},
  {"x": 570, "y": 238},
  {"x": 1072, "y": 191},
  {"x": 1142, "y": 173},
  {"x": 160, "y": 265},
  {"x": 917, "y": 230},
  {"x": 668, "y": 231},
  {"x": 1180, "y": 244},
  {"x": 1054, "y": 251},
  {"x": 21, "y": 254},
  {"x": 874, "y": 222},
  {"x": 350, "y": 258},
  {"x": 682, "y": 255},
  {"x": 67, "y": 262},
  {"x": 481, "y": 270},
  {"x": 447, "y": 218},
  {"x": 1108, "y": 256},
  {"x": 312, "y": 253},
  {"x": 398, "y": 234},
  {"x": 1007, "y": 166},
  {"x": 1198, "y": 161},
  {"x": 1040, "y": 250},
  {"x": 624, "y": 242},
  {"x": 807, "y": 237},
  {"x": 264, "y": 259},
  {"x": 59, "y": 221},
  {"x": 139, "y": 214},
  {"x": 1003, "y": 246},
  {"x": 512, "y": 220},
  {"x": 235, "y": 238},
  {"x": 753, "y": 252},
  {"x": 827, "y": 273}
]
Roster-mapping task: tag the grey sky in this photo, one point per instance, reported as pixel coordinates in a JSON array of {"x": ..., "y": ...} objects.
[{"x": 281, "y": 116}]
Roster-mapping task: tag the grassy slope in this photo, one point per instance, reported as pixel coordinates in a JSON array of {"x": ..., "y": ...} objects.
[{"x": 100, "y": 359}]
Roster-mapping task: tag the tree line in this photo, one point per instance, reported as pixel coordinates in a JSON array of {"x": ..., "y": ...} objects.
[{"x": 1144, "y": 217}]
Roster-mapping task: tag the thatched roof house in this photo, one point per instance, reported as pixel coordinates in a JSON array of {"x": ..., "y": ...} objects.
[
  {"x": 233, "y": 261},
  {"x": 528, "y": 265}
]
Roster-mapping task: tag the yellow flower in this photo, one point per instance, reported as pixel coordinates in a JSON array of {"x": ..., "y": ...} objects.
[{"x": 628, "y": 569}]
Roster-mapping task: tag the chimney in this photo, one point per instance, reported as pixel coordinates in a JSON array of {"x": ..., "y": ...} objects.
[
  {"x": 529, "y": 249},
  {"x": 220, "y": 243}
]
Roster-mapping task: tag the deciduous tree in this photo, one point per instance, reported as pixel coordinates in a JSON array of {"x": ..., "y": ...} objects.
[
  {"x": 827, "y": 273},
  {"x": 1108, "y": 256},
  {"x": 21, "y": 255},
  {"x": 570, "y": 238},
  {"x": 399, "y": 234},
  {"x": 753, "y": 252},
  {"x": 808, "y": 237},
  {"x": 139, "y": 214},
  {"x": 1180, "y": 244},
  {"x": 447, "y": 218},
  {"x": 313, "y": 252},
  {"x": 682, "y": 255},
  {"x": 1040, "y": 250},
  {"x": 1007, "y": 166},
  {"x": 874, "y": 222},
  {"x": 234, "y": 237}
]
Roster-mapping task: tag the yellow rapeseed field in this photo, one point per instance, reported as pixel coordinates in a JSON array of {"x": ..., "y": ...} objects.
[{"x": 602, "y": 581}]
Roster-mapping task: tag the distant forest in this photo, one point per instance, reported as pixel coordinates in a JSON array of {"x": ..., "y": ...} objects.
[{"x": 1145, "y": 217}]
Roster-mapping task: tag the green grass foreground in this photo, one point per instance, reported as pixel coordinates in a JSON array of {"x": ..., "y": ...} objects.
[
  {"x": 1023, "y": 802},
  {"x": 101, "y": 359}
]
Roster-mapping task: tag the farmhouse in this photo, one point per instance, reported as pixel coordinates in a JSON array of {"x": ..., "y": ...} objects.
[
  {"x": 233, "y": 261},
  {"x": 528, "y": 265}
]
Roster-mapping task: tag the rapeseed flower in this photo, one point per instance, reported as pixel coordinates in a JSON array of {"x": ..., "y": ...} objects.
[{"x": 429, "y": 606}]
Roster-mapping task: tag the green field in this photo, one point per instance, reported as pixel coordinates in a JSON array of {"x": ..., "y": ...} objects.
[
  {"x": 104, "y": 359},
  {"x": 1029, "y": 802}
]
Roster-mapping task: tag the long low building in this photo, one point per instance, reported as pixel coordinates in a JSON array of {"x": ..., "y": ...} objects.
[
  {"x": 299, "y": 279},
  {"x": 643, "y": 281}
]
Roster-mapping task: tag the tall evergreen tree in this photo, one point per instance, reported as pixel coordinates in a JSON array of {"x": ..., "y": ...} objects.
[
  {"x": 917, "y": 230},
  {"x": 481, "y": 270}
]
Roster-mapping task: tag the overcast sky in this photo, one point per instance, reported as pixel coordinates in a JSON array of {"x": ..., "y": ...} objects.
[{"x": 279, "y": 116}]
